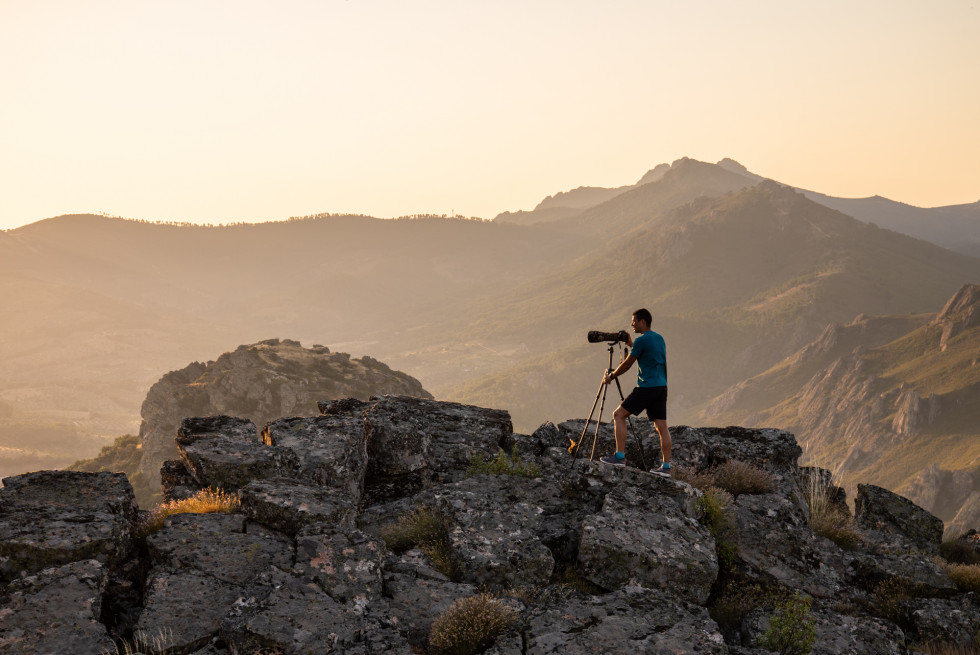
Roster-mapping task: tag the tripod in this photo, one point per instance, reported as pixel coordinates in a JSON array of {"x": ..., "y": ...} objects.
[{"x": 601, "y": 395}]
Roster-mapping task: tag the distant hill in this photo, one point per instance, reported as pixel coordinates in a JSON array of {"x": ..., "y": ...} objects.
[
  {"x": 956, "y": 227},
  {"x": 888, "y": 399}
]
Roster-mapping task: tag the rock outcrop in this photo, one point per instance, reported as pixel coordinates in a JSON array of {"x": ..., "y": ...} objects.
[
  {"x": 590, "y": 558},
  {"x": 261, "y": 383}
]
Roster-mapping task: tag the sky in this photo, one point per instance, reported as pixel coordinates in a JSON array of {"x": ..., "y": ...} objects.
[{"x": 214, "y": 112}]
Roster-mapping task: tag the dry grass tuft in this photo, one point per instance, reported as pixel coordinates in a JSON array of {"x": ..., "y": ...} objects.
[
  {"x": 470, "y": 625},
  {"x": 206, "y": 501},
  {"x": 966, "y": 576},
  {"x": 734, "y": 476},
  {"x": 427, "y": 530},
  {"x": 828, "y": 518},
  {"x": 142, "y": 643}
]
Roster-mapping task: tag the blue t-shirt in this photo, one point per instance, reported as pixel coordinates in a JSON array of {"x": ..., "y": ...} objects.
[{"x": 651, "y": 356}]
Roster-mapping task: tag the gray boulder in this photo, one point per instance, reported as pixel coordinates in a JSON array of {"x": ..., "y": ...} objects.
[
  {"x": 289, "y": 506},
  {"x": 839, "y": 634},
  {"x": 950, "y": 621},
  {"x": 919, "y": 574},
  {"x": 225, "y": 452},
  {"x": 329, "y": 451},
  {"x": 427, "y": 441},
  {"x": 629, "y": 620},
  {"x": 496, "y": 522},
  {"x": 184, "y": 608},
  {"x": 56, "y": 611},
  {"x": 347, "y": 565},
  {"x": 176, "y": 483},
  {"x": 700, "y": 448},
  {"x": 775, "y": 545},
  {"x": 415, "y": 601},
  {"x": 218, "y": 545},
  {"x": 50, "y": 518},
  {"x": 661, "y": 546},
  {"x": 895, "y": 523}
]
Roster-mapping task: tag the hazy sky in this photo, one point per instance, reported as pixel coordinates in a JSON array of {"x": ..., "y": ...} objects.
[{"x": 236, "y": 110}]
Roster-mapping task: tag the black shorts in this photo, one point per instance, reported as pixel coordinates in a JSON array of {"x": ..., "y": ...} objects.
[{"x": 651, "y": 399}]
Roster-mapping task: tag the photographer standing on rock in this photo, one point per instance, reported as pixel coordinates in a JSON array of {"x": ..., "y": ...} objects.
[{"x": 650, "y": 394}]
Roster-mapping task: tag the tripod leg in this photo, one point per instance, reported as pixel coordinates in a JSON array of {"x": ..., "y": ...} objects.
[
  {"x": 629, "y": 422},
  {"x": 587, "y": 422},
  {"x": 598, "y": 421}
]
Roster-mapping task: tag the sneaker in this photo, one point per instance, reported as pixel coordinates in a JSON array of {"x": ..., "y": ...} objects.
[
  {"x": 661, "y": 471},
  {"x": 613, "y": 461}
]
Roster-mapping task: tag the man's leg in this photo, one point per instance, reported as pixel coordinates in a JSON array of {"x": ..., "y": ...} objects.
[
  {"x": 619, "y": 428},
  {"x": 665, "y": 442}
]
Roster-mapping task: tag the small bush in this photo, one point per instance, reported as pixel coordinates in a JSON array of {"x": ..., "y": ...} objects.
[
  {"x": 470, "y": 625},
  {"x": 955, "y": 551},
  {"x": 206, "y": 501},
  {"x": 714, "y": 509},
  {"x": 502, "y": 464},
  {"x": 966, "y": 576},
  {"x": 735, "y": 601},
  {"x": 792, "y": 629},
  {"x": 889, "y": 599},
  {"x": 427, "y": 530},
  {"x": 733, "y": 476},
  {"x": 737, "y": 478}
]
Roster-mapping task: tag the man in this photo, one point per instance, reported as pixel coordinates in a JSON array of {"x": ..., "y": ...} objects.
[{"x": 650, "y": 394}]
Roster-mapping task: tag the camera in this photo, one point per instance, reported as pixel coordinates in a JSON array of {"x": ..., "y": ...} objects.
[{"x": 595, "y": 336}]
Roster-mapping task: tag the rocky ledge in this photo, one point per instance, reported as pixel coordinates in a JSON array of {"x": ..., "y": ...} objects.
[{"x": 591, "y": 559}]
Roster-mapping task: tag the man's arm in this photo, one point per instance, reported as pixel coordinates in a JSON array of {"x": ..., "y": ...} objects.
[{"x": 622, "y": 368}]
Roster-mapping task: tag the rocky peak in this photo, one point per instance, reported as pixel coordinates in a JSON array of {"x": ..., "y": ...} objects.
[{"x": 260, "y": 382}]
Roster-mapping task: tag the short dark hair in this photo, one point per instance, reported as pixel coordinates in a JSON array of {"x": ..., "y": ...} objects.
[{"x": 644, "y": 315}]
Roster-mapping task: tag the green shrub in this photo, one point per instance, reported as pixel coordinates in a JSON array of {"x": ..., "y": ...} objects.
[
  {"x": 792, "y": 630},
  {"x": 470, "y": 625},
  {"x": 714, "y": 509},
  {"x": 206, "y": 501},
  {"x": 427, "y": 530},
  {"x": 502, "y": 464}
]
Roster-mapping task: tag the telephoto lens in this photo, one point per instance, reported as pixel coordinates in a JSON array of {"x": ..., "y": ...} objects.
[{"x": 595, "y": 336}]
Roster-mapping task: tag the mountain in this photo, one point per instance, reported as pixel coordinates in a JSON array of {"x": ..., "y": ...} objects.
[
  {"x": 956, "y": 227},
  {"x": 736, "y": 283},
  {"x": 739, "y": 274},
  {"x": 888, "y": 399}
]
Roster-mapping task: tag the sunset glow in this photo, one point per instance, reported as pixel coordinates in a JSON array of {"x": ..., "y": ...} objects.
[{"x": 247, "y": 111}]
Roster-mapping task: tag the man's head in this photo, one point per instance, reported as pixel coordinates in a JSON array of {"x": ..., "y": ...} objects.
[{"x": 641, "y": 320}]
